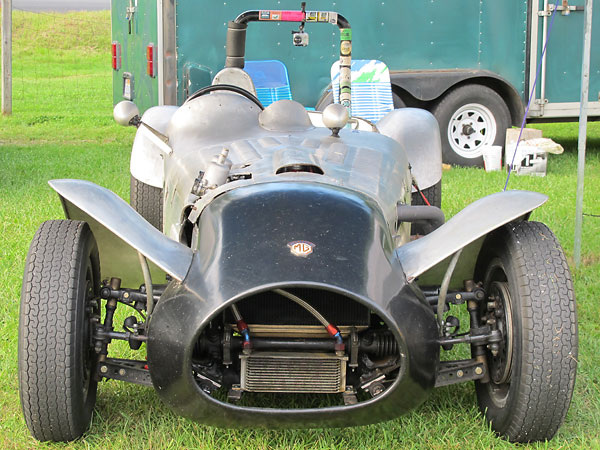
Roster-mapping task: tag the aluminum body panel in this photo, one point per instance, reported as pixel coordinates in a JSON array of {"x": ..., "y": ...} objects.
[
  {"x": 418, "y": 132},
  {"x": 470, "y": 224},
  {"x": 362, "y": 161},
  {"x": 235, "y": 77},
  {"x": 146, "y": 162},
  {"x": 83, "y": 200}
]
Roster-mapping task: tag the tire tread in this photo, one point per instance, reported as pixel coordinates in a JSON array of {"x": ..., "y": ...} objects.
[
  {"x": 549, "y": 336},
  {"x": 47, "y": 332},
  {"x": 147, "y": 200}
]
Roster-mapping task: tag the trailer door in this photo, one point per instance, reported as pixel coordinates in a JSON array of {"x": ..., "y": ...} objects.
[
  {"x": 559, "y": 84},
  {"x": 135, "y": 52}
]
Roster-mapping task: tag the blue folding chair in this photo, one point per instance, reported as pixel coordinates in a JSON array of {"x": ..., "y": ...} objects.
[
  {"x": 270, "y": 79},
  {"x": 371, "y": 88}
]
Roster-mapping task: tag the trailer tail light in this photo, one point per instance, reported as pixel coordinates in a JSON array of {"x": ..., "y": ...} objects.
[
  {"x": 150, "y": 60},
  {"x": 116, "y": 55}
]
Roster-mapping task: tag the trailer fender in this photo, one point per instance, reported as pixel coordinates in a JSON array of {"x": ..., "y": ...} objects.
[
  {"x": 429, "y": 85},
  {"x": 115, "y": 223},
  {"x": 475, "y": 221},
  {"x": 146, "y": 157},
  {"x": 418, "y": 132}
]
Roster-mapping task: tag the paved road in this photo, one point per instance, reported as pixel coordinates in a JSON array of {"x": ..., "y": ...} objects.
[{"x": 61, "y": 5}]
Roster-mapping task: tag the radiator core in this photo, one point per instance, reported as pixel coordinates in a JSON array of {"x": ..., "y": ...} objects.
[{"x": 293, "y": 372}]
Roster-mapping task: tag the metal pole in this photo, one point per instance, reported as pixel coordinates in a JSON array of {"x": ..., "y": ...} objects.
[
  {"x": 7, "y": 57},
  {"x": 585, "y": 87}
]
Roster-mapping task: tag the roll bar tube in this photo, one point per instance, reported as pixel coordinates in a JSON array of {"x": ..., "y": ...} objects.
[{"x": 236, "y": 39}]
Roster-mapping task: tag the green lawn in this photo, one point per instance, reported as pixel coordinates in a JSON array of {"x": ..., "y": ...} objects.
[{"x": 62, "y": 127}]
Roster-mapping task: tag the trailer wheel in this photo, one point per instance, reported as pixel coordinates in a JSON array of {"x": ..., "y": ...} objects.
[
  {"x": 147, "y": 200},
  {"x": 532, "y": 372},
  {"x": 56, "y": 354},
  {"x": 471, "y": 117}
]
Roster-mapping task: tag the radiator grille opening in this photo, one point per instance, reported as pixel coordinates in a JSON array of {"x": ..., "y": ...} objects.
[{"x": 273, "y": 351}]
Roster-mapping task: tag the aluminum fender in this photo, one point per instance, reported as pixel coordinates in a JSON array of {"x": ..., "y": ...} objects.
[
  {"x": 146, "y": 158},
  {"x": 106, "y": 211},
  {"x": 418, "y": 132},
  {"x": 473, "y": 222}
]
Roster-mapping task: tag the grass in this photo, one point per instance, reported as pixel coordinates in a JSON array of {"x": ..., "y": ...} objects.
[{"x": 62, "y": 127}]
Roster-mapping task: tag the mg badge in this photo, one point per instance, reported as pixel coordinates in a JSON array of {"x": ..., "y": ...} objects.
[{"x": 301, "y": 248}]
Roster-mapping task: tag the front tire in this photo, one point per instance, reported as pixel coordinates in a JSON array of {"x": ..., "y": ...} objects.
[
  {"x": 471, "y": 117},
  {"x": 532, "y": 302},
  {"x": 56, "y": 357}
]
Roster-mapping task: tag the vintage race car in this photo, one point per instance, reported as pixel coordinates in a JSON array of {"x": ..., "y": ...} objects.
[{"x": 295, "y": 283}]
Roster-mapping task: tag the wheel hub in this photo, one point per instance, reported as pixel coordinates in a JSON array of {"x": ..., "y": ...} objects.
[{"x": 499, "y": 316}]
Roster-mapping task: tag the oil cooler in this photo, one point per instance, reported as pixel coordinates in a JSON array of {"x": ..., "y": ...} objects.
[{"x": 293, "y": 372}]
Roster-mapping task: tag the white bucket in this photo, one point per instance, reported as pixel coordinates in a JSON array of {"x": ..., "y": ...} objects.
[{"x": 492, "y": 157}]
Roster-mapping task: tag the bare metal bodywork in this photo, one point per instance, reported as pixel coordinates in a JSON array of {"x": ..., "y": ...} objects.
[{"x": 261, "y": 143}]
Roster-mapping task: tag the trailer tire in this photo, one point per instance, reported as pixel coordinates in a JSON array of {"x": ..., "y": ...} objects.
[
  {"x": 471, "y": 117},
  {"x": 147, "y": 200},
  {"x": 532, "y": 376},
  {"x": 56, "y": 355}
]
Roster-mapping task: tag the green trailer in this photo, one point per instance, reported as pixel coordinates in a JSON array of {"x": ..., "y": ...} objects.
[{"x": 471, "y": 63}]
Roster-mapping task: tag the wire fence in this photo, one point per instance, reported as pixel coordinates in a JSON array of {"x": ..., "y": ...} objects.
[{"x": 61, "y": 63}]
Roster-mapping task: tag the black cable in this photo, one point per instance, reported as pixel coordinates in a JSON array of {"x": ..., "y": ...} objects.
[{"x": 225, "y": 87}]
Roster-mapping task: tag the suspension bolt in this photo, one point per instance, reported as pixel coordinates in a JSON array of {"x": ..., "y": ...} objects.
[
  {"x": 125, "y": 295},
  {"x": 103, "y": 369},
  {"x": 478, "y": 370},
  {"x": 492, "y": 305},
  {"x": 122, "y": 372},
  {"x": 460, "y": 374}
]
